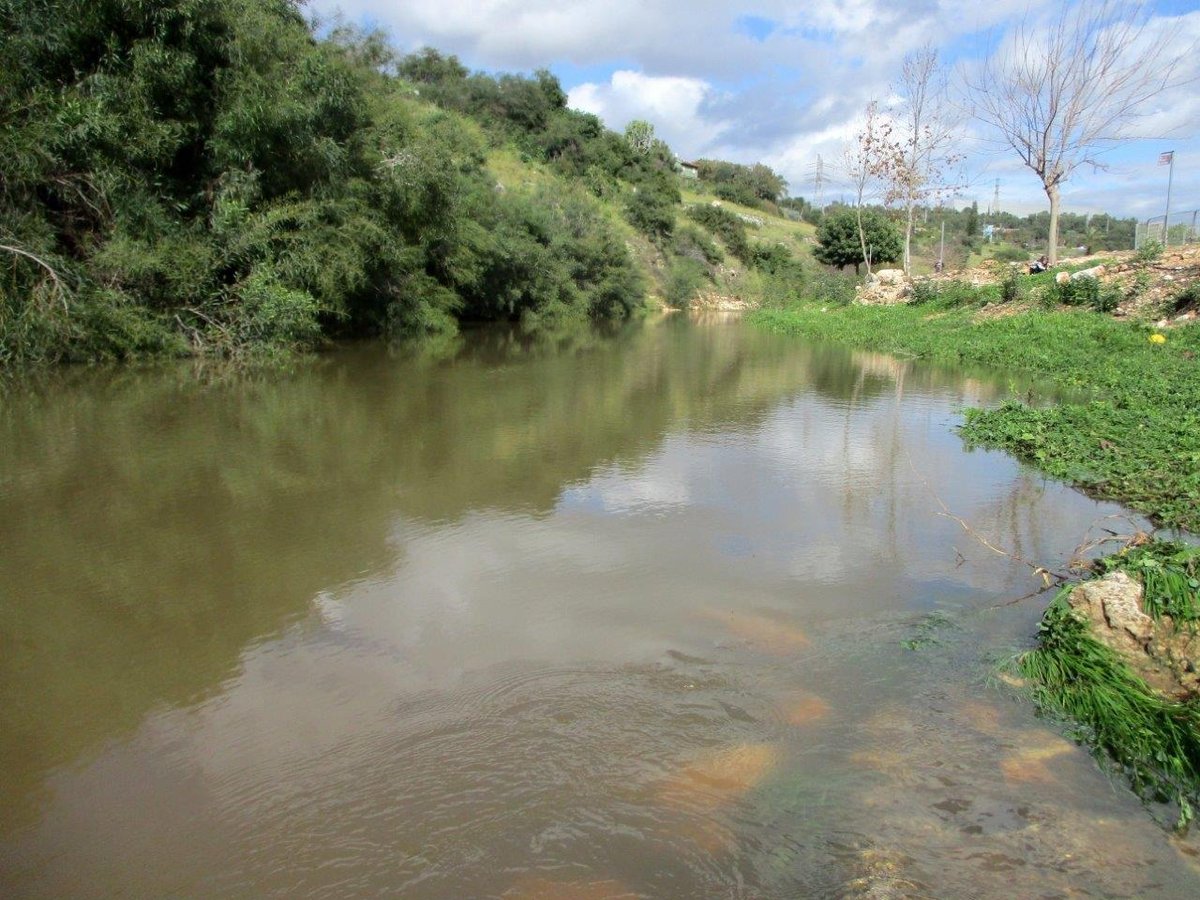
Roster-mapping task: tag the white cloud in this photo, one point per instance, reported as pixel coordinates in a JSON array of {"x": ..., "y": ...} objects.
[
  {"x": 711, "y": 89},
  {"x": 674, "y": 105}
]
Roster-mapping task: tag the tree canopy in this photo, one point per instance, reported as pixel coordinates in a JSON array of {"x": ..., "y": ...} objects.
[{"x": 838, "y": 241}]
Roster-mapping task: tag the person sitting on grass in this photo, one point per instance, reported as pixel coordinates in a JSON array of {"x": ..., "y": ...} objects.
[{"x": 1038, "y": 265}]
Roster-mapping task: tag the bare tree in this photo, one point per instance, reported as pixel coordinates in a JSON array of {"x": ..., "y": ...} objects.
[
  {"x": 862, "y": 165},
  {"x": 917, "y": 166},
  {"x": 1061, "y": 92}
]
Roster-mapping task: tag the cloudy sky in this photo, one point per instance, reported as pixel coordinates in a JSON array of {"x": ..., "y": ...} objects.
[{"x": 783, "y": 81}]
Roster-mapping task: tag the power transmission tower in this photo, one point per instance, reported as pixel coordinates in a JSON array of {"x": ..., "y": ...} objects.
[
  {"x": 994, "y": 209},
  {"x": 818, "y": 177}
]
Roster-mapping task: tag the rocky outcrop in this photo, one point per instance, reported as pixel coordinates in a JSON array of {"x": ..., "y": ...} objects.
[
  {"x": 1164, "y": 654},
  {"x": 884, "y": 288}
]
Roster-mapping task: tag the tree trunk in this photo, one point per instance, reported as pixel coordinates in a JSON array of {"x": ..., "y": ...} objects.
[
  {"x": 862, "y": 239},
  {"x": 908, "y": 228},
  {"x": 1052, "y": 250}
]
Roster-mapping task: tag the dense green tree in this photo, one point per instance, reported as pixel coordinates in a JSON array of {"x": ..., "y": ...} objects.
[
  {"x": 839, "y": 244},
  {"x": 748, "y": 185}
]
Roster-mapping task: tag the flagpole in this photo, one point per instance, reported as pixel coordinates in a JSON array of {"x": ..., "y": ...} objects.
[{"x": 1167, "y": 214}]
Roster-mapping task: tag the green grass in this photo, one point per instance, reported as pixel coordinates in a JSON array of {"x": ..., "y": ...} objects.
[
  {"x": 1154, "y": 741},
  {"x": 1133, "y": 432}
]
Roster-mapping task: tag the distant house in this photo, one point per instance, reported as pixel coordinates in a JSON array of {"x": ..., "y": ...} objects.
[{"x": 689, "y": 170}]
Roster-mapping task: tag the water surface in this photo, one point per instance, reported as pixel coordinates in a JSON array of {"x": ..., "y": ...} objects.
[{"x": 618, "y": 616}]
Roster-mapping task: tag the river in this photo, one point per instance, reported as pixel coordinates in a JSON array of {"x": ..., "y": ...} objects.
[{"x": 671, "y": 612}]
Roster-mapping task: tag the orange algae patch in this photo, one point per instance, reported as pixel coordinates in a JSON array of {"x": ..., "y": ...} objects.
[
  {"x": 763, "y": 632},
  {"x": 721, "y": 777},
  {"x": 805, "y": 709},
  {"x": 982, "y": 717},
  {"x": 534, "y": 888},
  {"x": 1029, "y": 763}
]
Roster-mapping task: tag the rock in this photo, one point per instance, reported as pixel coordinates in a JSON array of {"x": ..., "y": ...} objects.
[
  {"x": 1094, "y": 272},
  {"x": 1113, "y": 607},
  {"x": 1166, "y": 657},
  {"x": 888, "y": 276},
  {"x": 884, "y": 288},
  {"x": 1062, "y": 278}
]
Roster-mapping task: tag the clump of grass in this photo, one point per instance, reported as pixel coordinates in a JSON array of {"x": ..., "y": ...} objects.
[
  {"x": 1168, "y": 573},
  {"x": 950, "y": 294},
  {"x": 1155, "y": 741}
]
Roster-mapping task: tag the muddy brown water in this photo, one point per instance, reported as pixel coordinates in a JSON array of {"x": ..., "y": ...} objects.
[{"x": 619, "y": 616}]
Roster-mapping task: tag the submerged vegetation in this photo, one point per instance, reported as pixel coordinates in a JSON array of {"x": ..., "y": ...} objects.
[{"x": 1153, "y": 739}]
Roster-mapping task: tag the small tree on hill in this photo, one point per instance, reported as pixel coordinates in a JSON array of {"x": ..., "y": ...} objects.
[
  {"x": 839, "y": 242},
  {"x": 639, "y": 134}
]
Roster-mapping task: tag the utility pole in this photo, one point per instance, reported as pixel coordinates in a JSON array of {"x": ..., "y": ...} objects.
[{"x": 1168, "y": 159}]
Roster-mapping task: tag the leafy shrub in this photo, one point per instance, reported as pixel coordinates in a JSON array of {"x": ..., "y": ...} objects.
[
  {"x": 1108, "y": 299},
  {"x": 725, "y": 225},
  {"x": 774, "y": 259},
  {"x": 1080, "y": 292},
  {"x": 1150, "y": 252},
  {"x": 693, "y": 243},
  {"x": 1188, "y": 298},
  {"x": 949, "y": 293},
  {"x": 833, "y": 288},
  {"x": 650, "y": 212},
  {"x": 1009, "y": 253},
  {"x": 686, "y": 277},
  {"x": 1012, "y": 288}
]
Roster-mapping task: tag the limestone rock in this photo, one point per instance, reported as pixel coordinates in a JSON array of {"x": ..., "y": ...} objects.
[
  {"x": 883, "y": 288},
  {"x": 1094, "y": 272},
  {"x": 1166, "y": 657},
  {"x": 1113, "y": 606}
]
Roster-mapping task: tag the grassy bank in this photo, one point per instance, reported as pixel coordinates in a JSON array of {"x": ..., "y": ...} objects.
[
  {"x": 1133, "y": 435},
  {"x": 1155, "y": 741}
]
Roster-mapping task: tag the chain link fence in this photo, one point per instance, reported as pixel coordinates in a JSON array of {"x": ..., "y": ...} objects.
[{"x": 1181, "y": 230}]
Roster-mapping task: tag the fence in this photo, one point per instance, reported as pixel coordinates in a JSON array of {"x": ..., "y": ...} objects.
[{"x": 1181, "y": 230}]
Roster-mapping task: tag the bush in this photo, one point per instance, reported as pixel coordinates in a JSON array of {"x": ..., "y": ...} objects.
[
  {"x": 725, "y": 225},
  {"x": 834, "y": 288},
  {"x": 1012, "y": 288},
  {"x": 949, "y": 293},
  {"x": 693, "y": 243},
  {"x": 1109, "y": 299},
  {"x": 1150, "y": 252},
  {"x": 650, "y": 212},
  {"x": 1080, "y": 292},
  {"x": 685, "y": 279},
  {"x": 1009, "y": 253}
]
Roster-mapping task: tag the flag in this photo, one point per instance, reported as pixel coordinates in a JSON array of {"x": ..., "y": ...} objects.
[{"x": 1165, "y": 159}]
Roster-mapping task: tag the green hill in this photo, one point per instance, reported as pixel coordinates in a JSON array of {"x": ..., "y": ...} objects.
[{"x": 211, "y": 176}]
